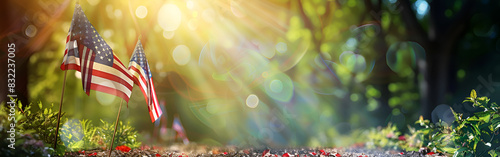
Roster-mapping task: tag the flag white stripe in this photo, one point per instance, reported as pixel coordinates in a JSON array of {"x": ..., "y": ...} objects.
[
  {"x": 139, "y": 76},
  {"x": 113, "y": 71},
  {"x": 111, "y": 84}
]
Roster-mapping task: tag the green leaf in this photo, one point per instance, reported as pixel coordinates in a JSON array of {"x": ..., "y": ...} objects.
[
  {"x": 493, "y": 153},
  {"x": 449, "y": 149},
  {"x": 459, "y": 151},
  {"x": 484, "y": 116},
  {"x": 473, "y": 94}
]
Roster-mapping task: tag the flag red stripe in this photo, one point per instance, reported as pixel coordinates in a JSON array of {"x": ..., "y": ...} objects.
[
  {"x": 109, "y": 90},
  {"x": 151, "y": 114},
  {"x": 138, "y": 72},
  {"x": 117, "y": 64},
  {"x": 112, "y": 77},
  {"x": 143, "y": 89},
  {"x": 154, "y": 102}
]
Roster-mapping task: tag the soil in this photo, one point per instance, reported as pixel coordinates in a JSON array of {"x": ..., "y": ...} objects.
[{"x": 204, "y": 151}]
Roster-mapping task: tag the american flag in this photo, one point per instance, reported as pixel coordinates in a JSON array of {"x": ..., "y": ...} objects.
[
  {"x": 177, "y": 126},
  {"x": 139, "y": 69},
  {"x": 89, "y": 54}
]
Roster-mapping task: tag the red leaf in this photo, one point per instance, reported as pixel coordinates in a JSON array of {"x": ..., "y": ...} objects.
[
  {"x": 338, "y": 154},
  {"x": 123, "y": 148},
  {"x": 93, "y": 154},
  {"x": 157, "y": 154},
  {"x": 402, "y": 153},
  {"x": 265, "y": 152},
  {"x": 81, "y": 151},
  {"x": 313, "y": 153},
  {"x": 286, "y": 155},
  {"x": 402, "y": 138},
  {"x": 225, "y": 153},
  {"x": 431, "y": 153},
  {"x": 322, "y": 152},
  {"x": 145, "y": 147}
]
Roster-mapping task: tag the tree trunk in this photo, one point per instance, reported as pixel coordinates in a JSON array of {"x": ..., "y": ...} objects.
[{"x": 436, "y": 78}]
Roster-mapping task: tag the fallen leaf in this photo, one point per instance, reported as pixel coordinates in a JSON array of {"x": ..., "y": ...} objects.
[{"x": 123, "y": 148}]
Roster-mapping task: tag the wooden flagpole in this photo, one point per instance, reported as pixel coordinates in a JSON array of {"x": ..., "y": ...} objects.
[
  {"x": 60, "y": 108},
  {"x": 116, "y": 126}
]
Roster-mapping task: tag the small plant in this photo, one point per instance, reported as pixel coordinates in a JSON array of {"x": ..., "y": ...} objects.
[
  {"x": 78, "y": 135},
  {"x": 478, "y": 134},
  {"x": 437, "y": 136},
  {"x": 387, "y": 137},
  {"x": 125, "y": 134},
  {"x": 35, "y": 132},
  {"x": 43, "y": 122},
  {"x": 471, "y": 134},
  {"x": 35, "y": 129}
]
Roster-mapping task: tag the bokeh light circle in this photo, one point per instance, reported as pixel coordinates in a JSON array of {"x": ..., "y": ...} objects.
[
  {"x": 403, "y": 57},
  {"x": 442, "y": 112},
  {"x": 31, "y": 31},
  {"x": 279, "y": 87},
  {"x": 168, "y": 34},
  {"x": 181, "y": 54},
  {"x": 105, "y": 99},
  {"x": 354, "y": 62},
  {"x": 141, "y": 12},
  {"x": 190, "y": 4},
  {"x": 252, "y": 101},
  {"x": 281, "y": 47},
  {"x": 169, "y": 17},
  {"x": 73, "y": 127},
  {"x": 276, "y": 86}
]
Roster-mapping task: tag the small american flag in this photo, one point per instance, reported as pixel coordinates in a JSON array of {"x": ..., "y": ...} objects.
[
  {"x": 177, "y": 126},
  {"x": 139, "y": 69},
  {"x": 89, "y": 54}
]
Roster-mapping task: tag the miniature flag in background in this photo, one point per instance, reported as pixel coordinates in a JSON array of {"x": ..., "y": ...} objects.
[
  {"x": 177, "y": 126},
  {"x": 89, "y": 54},
  {"x": 139, "y": 69}
]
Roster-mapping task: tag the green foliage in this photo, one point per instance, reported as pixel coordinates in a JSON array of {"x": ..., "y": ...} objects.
[
  {"x": 125, "y": 134},
  {"x": 386, "y": 137},
  {"x": 35, "y": 132},
  {"x": 438, "y": 136},
  {"x": 78, "y": 135},
  {"x": 36, "y": 128},
  {"x": 476, "y": 135},
  {"x": 43, "y": 122}
]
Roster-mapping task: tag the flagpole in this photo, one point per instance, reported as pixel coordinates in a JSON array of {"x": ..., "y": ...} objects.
[
  {"x": 116, "y": 126},
  {"x": 60, "y": 107}
]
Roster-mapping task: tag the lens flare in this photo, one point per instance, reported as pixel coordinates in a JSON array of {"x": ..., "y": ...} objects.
[
  {"x": 276, "y": 86},
  {"x": 281, "y": 47},
  {"x": 279, "y": 87},
  {"x": 403, "y": 57},
  {"x": 169, "y": 17},
  {"x": 181, "y": 55},
  {"x": 354, "y": 62},
  {"x": 141, "y": 12},
  {"x": 252, "y": 101}
]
